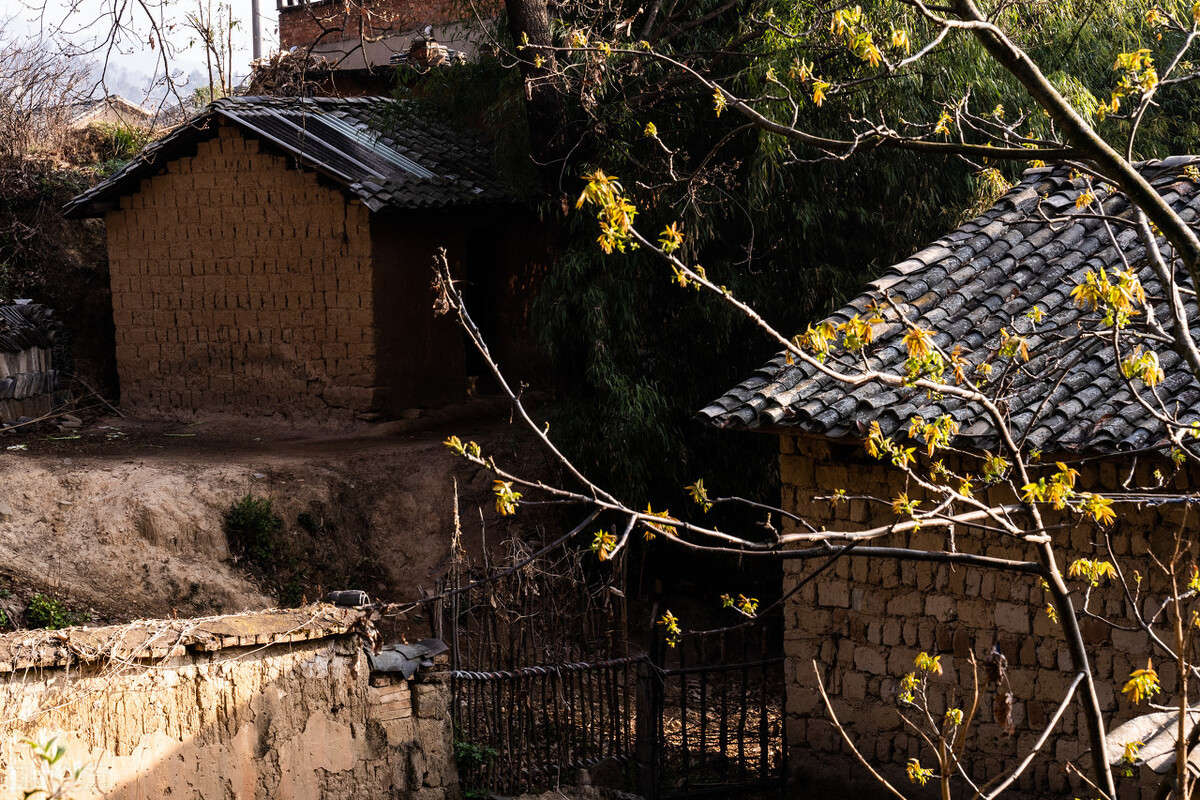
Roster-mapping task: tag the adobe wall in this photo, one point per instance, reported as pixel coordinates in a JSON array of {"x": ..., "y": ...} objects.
[
  {"x": 242, "y": 284},
  {"x": 863, "y": 621},
  {"x": 273, "y": 705}
]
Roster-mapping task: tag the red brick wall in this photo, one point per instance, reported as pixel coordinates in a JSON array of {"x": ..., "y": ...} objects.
[
  {"x": 242, "y": 284},
  {"x": 300, "y": 26}
]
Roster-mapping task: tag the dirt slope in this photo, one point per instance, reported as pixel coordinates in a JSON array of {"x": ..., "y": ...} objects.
[{"x": 126, "y": 517}]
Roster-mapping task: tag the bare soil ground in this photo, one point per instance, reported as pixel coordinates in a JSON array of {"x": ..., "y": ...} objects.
[{"x": 125, "y": 517}]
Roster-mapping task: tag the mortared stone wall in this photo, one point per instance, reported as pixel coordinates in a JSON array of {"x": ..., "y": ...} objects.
[{"x": 864, "y": 620}]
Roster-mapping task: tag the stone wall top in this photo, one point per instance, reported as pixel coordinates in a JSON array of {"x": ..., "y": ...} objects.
[{"x": 157, "y": 639}]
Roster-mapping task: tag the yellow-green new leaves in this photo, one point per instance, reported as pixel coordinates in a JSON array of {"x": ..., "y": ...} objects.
[
  {"x": 1058, "y": 491},
  {"x": 1143, "y": 365},
  {"x": 651, "y": 527},
  {"x": 1098, "y": 508},
  {"x": 916, "y": 773},
  {"x": 881, "y": 447},
  {"x": 938, "y": 433},
  {"x": 817, "y": 340},
  {"x": 846, "y": 20},
  {"x": 820, "y": 87},
  {"x": 1142, "y": 684},
  {"x": 928, "y": 664},
  {"x": 616, "y": 211},
  {"x": 857, "y": 333},
  {"x": 746, "y": 605},
  {"x": 918, "y": 342},
  {"x": 1012, "y": 345},
  {"x": 699, "y": 495},
  {"x": 954, "y": 716},
  {"x": 670, "y": 239},
  {"x": 718, "y": 101},
  {"x": 670, "y": 624},
  {"x": 506, "y": 498},
  {"x": 1116, "y": 298},
  {"x": 908, "y": 688},
  {"x": 1091, "y": 570},
  {"x": 1129, "y": 758},
  {"x": 943, "y": 126},
  {"x": 902, "y": 506},
  {"x": 468, "y": 450},
  {"x": 603, "y": 543},
  {"x": 994, "y": 467}
]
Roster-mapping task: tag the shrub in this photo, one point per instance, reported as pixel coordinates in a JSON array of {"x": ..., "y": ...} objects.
[
  {"x": 252, "y": 527},
  {"x": 48, "y": 612},
  {"x": 117, "y": 141}
]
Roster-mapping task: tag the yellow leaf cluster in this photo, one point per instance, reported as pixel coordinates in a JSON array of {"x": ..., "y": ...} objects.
[
  {"x": 1142, "y": 684},
  {"x": 506, "y": 498},
  {"x": 1091, "y": 570},
  {"x": 616, "y": 211},
  {"x": 916, "y": 773}
]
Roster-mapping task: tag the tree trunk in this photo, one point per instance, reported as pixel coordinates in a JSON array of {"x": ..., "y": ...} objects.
[{"x": 529, "y": 23}]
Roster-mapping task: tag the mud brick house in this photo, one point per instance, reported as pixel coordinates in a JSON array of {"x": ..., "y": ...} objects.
[
  {"x": 273, "y": 256},
  {"x": 33, "y": 356},
  {"x": 863, "y": 621}
]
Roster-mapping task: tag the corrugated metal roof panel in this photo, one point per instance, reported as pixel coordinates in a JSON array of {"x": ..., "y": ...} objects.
[{"x": 387, "y": 153}]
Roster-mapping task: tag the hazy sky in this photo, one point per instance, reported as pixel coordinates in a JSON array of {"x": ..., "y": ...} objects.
[{"x": 133, "y": 64}]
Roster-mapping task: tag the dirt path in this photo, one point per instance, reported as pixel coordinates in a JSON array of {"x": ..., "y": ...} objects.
[{"x": 125, "y": 516}]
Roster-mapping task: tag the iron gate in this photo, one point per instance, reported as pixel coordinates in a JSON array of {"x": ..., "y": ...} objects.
[{"x": 677, "y": 728}]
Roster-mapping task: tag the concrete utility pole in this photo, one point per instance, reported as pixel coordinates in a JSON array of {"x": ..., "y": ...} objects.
[{"x": 256, "y": 51}]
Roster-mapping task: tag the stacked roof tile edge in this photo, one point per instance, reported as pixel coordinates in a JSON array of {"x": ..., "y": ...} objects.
[
  {"x": 386, "y": 153},
  {"x": 1028, "y": 251}
]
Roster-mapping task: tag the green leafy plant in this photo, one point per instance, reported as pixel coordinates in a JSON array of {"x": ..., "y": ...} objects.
[
  {"x": 253, "y": 527},
  {"x": 472, "y": 757},
  {"x": 49, "y": 613},
  {"x": 57, "y": 782},
  {"x": 115, "y": 141}
]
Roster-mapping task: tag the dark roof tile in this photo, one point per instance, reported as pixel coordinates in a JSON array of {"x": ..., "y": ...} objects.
[{"x": 966, "y": 286}]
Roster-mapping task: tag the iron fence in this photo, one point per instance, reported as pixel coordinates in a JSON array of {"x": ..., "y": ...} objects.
[{"x": 530, "y": 729}]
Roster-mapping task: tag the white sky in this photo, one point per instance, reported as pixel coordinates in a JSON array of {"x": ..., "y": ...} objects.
[{"x": 133, "y": 64}]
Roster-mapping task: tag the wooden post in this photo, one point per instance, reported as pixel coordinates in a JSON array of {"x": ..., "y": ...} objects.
[
  {"x": 646, "y": 732},
  {"x": 649, "y": 715}
]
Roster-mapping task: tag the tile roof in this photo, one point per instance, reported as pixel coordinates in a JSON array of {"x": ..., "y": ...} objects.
[
  {"x": 83, "y": 111},
  {"x": 33, "y": 352},
  {"x": 1029, "y": 250},
  {"x": 386, "y": 153}
]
